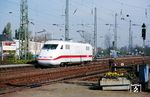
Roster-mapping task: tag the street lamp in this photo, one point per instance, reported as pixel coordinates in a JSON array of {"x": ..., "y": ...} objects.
[
  {"x": 10, "y": 13},
  {"x": 57, "y": 26},
  {"x": 110, "y": 25},
  {"x": 130, "y": 34},
  {"x": 36, "y": 41},
  {"x": 33, "y": 39},
  {"x": 41, "y": 32},
  {"x": 109, "y": 36}
]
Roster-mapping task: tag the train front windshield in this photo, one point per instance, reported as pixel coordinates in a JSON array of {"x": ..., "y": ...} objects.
[{"x": 50, "y": 46}]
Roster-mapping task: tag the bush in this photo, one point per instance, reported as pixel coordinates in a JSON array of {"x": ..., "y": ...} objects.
[
  {"x": 11, "y": 59},
  {"x": 16, "y": 61}
]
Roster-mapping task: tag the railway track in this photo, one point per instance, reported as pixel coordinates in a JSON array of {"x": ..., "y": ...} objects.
[
  {"x": 49, "y": 75},
  {"x": 30, "y": 77}
]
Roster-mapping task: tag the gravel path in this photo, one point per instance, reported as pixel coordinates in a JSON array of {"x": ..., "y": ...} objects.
[{"x": 72, "y": 89}]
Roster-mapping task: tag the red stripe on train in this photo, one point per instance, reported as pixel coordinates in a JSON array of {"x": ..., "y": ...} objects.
[{"x": 67, "y": 56}]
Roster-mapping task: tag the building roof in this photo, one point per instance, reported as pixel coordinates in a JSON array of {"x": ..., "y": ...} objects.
[{"x": 5, "y": 38}]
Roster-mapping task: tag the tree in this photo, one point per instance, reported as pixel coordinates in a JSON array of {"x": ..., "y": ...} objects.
[
  {"x": 7, "y": 30},
  {"x": 86, "y": 36}
]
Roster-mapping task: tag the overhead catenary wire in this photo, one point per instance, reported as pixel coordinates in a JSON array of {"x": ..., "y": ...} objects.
[
  {"x": 45, "y": 16},
  {"x": 44, "y": 13}
]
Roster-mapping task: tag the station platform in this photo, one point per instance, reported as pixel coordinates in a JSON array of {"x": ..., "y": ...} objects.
[
  {"x": 16, "y": 65},
  {"x": 79, "y": 89}
]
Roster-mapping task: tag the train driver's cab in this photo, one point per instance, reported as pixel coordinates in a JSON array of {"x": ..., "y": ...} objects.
[{"x": 50, "y": 46}]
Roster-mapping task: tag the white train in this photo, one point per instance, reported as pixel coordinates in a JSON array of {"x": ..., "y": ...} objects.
[{"x": 57, "y": 52}]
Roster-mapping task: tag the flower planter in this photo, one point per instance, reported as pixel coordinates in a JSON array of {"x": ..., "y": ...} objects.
[{"x": 120, "y": 83}]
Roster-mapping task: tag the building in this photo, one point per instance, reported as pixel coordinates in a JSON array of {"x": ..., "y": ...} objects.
[{"x": 8, "y": 45}]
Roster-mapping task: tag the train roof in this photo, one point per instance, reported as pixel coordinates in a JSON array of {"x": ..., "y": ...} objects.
[{"x": 62, "y": 41}]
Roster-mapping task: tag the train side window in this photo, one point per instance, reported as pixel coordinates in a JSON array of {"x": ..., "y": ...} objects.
[
  {"x": 61, "y": 47},
  {"x": 67, "y": 47},
  {"x": 87, "y": 48},
  {"x": 50, "y": 46}
]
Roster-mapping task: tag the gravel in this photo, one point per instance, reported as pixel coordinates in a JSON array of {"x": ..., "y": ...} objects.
[{"x": 72, "y": 89}]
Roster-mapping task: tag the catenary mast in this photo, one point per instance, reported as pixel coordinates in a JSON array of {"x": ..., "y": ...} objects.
[
  {"x": 23, "y": 31},
  {"x": 67, "y": 20}
]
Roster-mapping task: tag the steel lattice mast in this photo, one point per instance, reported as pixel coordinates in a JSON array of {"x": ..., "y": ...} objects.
[
  {"x": 23, "y": 31},
  {"x": 115, "y": 33},
  {"x": 95, "y": 32}
]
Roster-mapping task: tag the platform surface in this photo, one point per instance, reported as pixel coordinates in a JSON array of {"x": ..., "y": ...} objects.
[{"x": 81, "y": 89}]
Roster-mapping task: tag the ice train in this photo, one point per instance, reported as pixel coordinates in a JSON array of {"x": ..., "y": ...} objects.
[{"x": 58, "y": 52}]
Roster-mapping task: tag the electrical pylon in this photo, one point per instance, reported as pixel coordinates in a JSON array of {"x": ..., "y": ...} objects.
[{"x": 23, "y": 33}]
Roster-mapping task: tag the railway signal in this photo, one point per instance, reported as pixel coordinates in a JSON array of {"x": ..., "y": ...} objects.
[
  {"x": 144, "y": 31},
  {"x": 143, "y": 36}
]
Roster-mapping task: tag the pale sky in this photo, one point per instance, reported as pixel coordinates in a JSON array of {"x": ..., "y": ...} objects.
[{"x": 45, "y": 13}]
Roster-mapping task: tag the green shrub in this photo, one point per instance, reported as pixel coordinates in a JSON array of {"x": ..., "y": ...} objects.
[
  {"x": 11, "y": 58},
  {"x": 16, "y": 61}
]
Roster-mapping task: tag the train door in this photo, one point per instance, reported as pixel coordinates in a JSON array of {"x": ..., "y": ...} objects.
[
  {"x": 68, "y": 52},
  {"x": 77, "y": 52},
  {"x": 80, "y": 53}
]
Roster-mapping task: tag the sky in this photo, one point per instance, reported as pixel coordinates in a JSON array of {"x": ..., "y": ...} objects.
[{"x": 45, "y": 13}]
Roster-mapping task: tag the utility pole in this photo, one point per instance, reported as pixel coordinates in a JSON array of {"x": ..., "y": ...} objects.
[
  {"x": 95, "y": 32},
  {"x": 115, "y": 33},
  {"x": 23, "y": 33},
  {"x": 67, "y": 21},
  {"x": 130, "y": 37}
]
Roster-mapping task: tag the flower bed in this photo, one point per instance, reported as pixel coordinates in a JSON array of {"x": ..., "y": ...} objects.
[{"x": 118, "y": 74}]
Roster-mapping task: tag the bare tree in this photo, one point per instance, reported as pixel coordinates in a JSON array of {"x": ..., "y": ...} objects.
[{"x": 85, "y": 35}]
